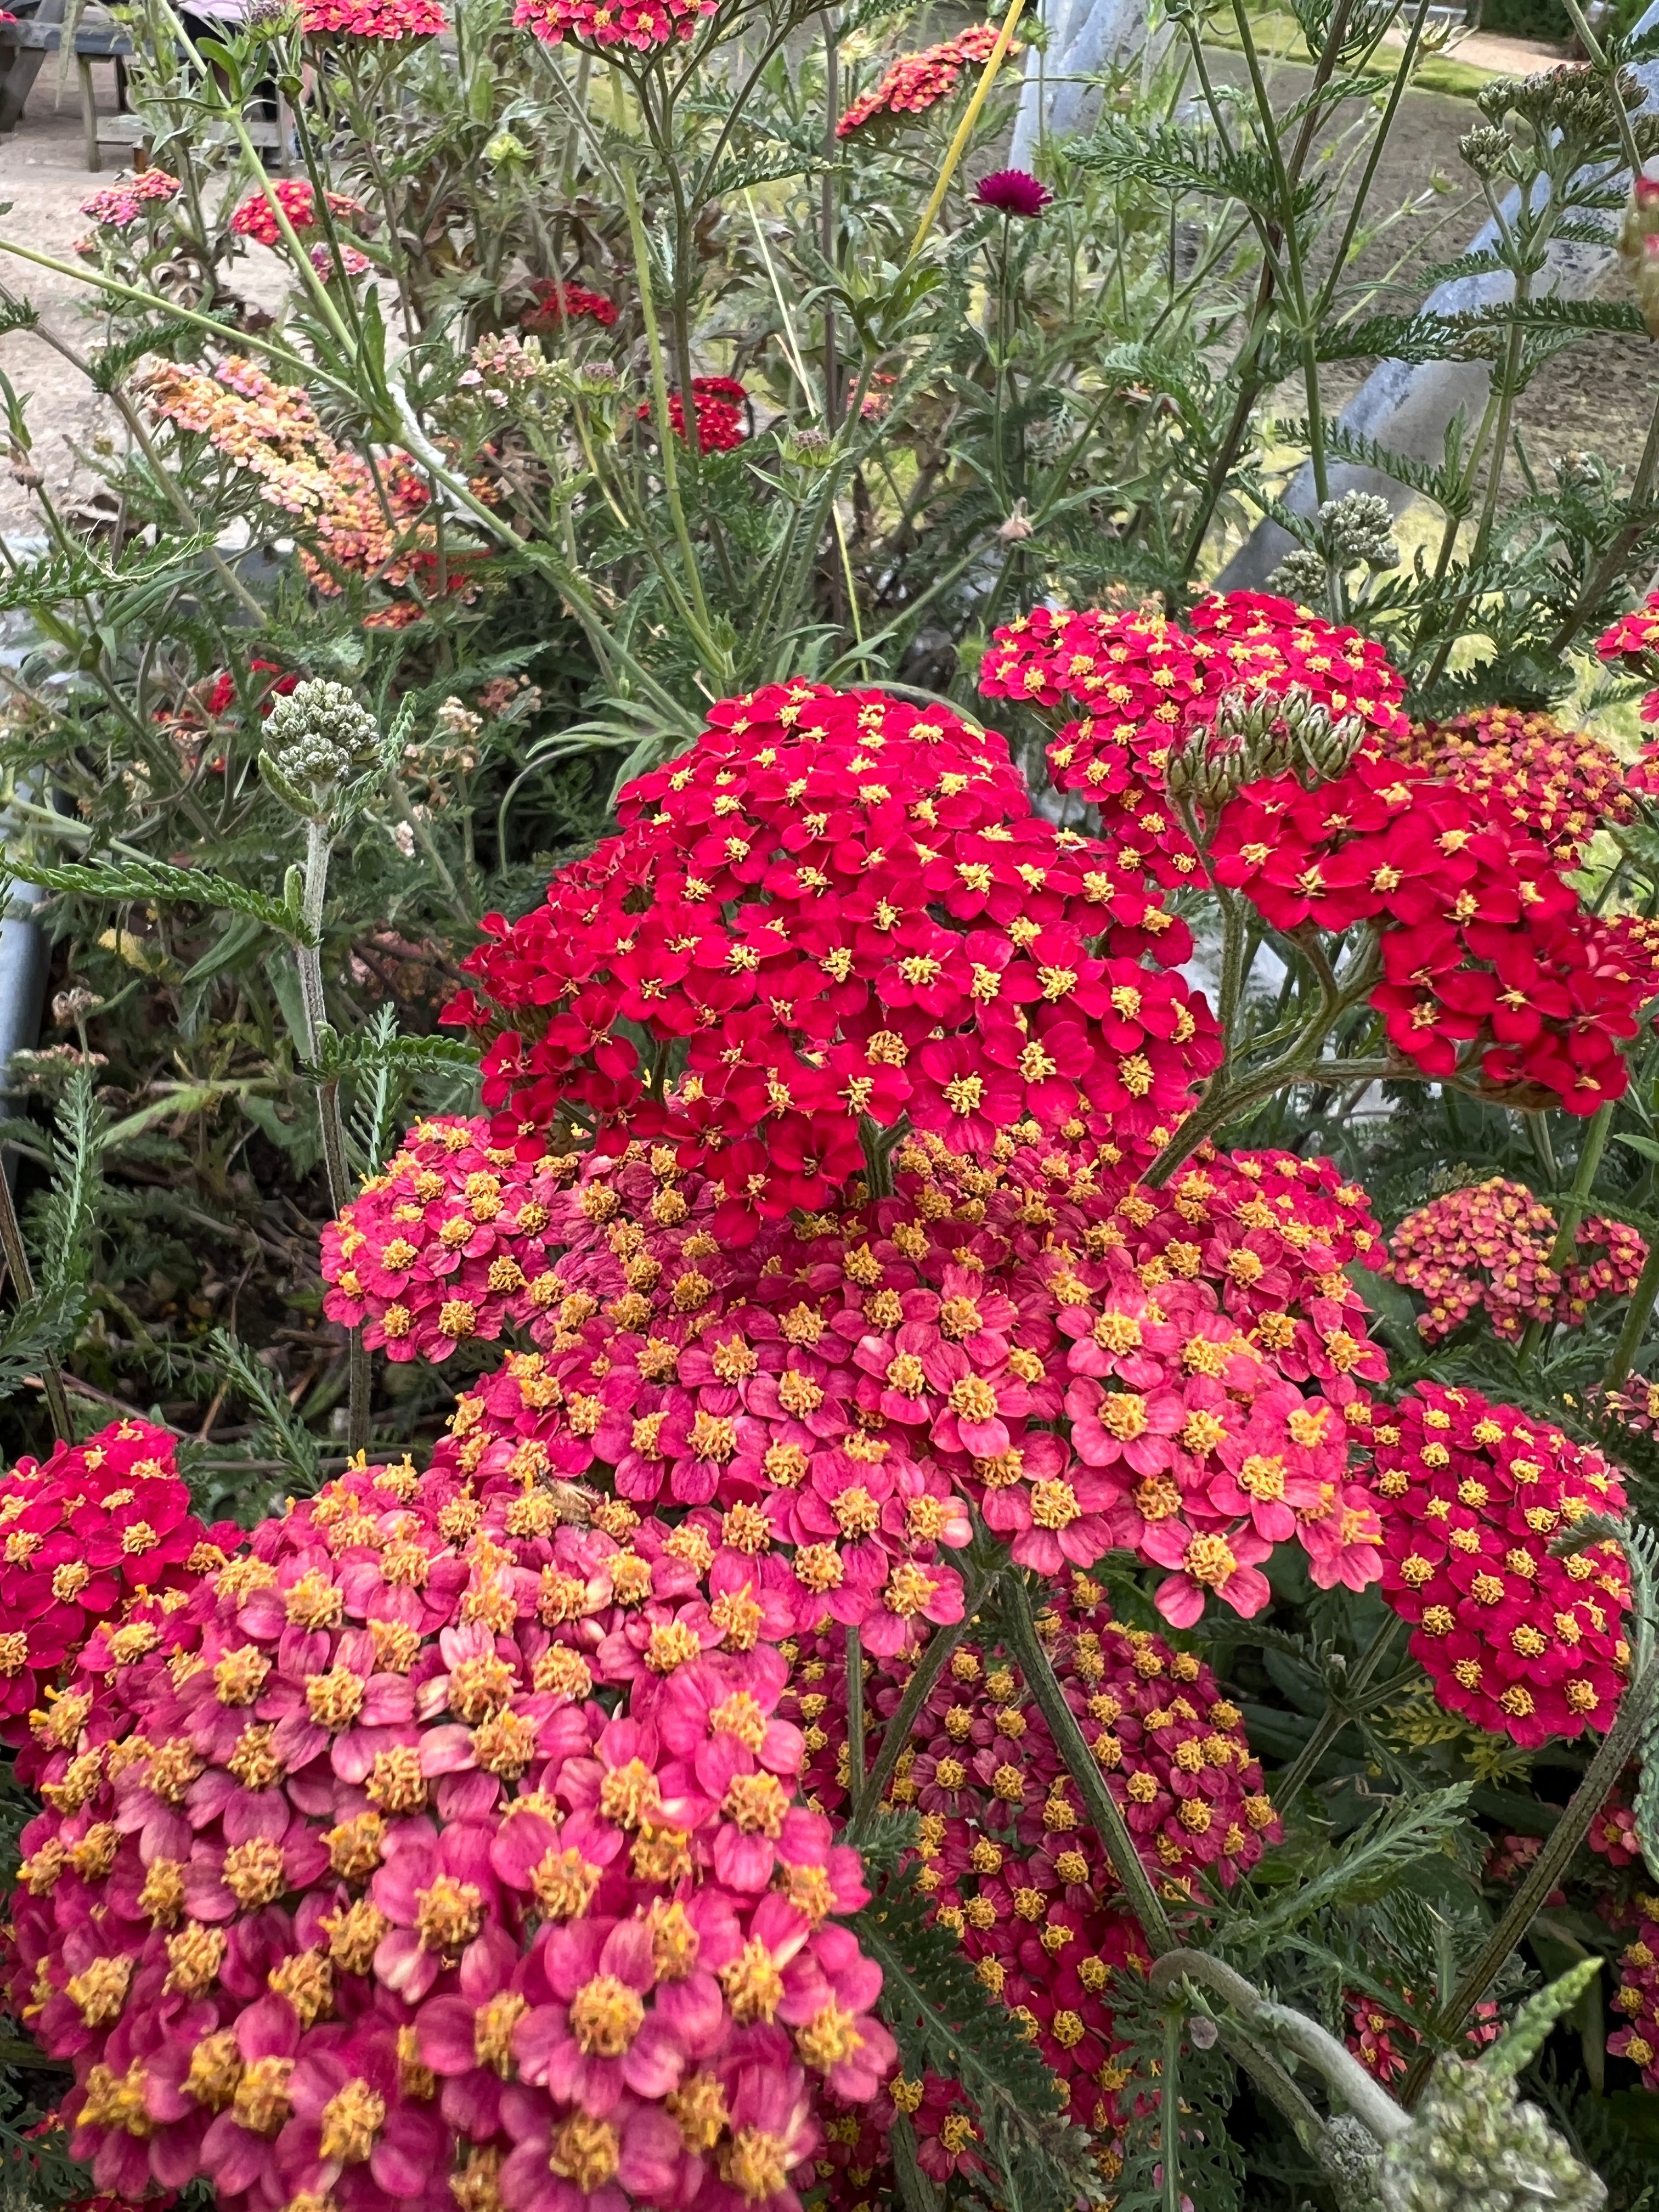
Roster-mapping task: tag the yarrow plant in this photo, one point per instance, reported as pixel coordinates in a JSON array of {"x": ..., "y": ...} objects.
[{"x": 917, "y": 1554}]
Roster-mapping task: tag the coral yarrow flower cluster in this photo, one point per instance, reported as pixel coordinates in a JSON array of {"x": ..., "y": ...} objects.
[
  {"x": 1520, "y": 1629},
  {"x": 256, "y": 218},
  {"x": 839, "y": 906},
  {"x": 348, "y": 1888},
  {"x": 1488, "y": 1248},
  {"x": 640, "y": 24},
  {"x": 917, "y": 82},
  {"x": 1562, "y": 784}
]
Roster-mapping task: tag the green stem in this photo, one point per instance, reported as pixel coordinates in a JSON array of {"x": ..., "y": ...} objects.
[
  {"x": 856, "y": 1718},
  {"x": 659, "y": 410},
  {"x": 1019, "y": 1631},
  {"x": 1572, "y": 1212},
  {"x": 314, "y": 1018},
  {"x": 1339, "y": 1711},
  {"x": 1618, "y": 1746},
  {"x": 1169, "y": 2110},
  {"x": 22, "y": 1282},
  {"x": 928, "y": 1668},
  {"x": 1370, "y": 2103},
  {"x": 1637, "y": 1316}
]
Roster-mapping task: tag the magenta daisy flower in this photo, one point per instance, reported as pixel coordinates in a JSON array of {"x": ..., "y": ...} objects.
[{"x": 1012, "y": 192}]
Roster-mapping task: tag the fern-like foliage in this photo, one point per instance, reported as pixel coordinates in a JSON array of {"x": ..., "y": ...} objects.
[
  {"x": 944, "y": 2017},
  {"x": 123, "y": 880},
  {"x": 277, "y": 1432}
]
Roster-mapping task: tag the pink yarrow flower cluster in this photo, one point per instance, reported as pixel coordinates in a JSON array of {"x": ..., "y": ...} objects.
[
  {"x": 118, "y": 206},
  {"x": 387, "y": 21},
  {"x": 837, "y": 906},
  {"x": 640, "y": 24},
  {"x": 448, "y": 1242},
  {"x": 347, "y": 1887},
  {"x": 1178, "y": 1377},
  {"x": 1487, "y": 1248},
  {"x": 83, "y": 1533},
  {"x": 1520, "y": 1631}
]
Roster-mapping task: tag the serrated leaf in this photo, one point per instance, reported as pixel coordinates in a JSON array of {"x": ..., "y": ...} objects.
[
  {"x": 410, "y": 1055},
  {"x": 1372, "y": 1857},
  {"x": 1171, "y": 159}
]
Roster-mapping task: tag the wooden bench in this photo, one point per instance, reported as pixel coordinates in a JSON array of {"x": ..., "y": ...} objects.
[{"x": 24, "y": 45}]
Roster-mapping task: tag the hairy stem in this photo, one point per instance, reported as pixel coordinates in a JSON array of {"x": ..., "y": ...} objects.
[{"x": 1364, "y": 2098}]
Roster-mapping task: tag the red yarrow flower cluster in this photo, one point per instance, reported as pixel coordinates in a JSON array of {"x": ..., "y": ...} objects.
[
  {"x": 720, "y": 404},
  {"x": 82, "y": 1535},
  {"x": 386, "y": 20},
  {"x": 846, "y": 907},
  {"x": 554, "y": 303},
  {"x": 347, "y": 1887},
  {"x": 117, "y": 206},
  {"x": 1521, "y": 1639},
  {"x": 640, "y": 24},
  {"x": 1491, "y": 965},
  {"x": 448, "y": 1242},
  {"x": 1637, "y": 1999},
  {"x": 1561, "y": 784},
  {"x": 1147, "y": 687},
  {"x": 918, "y": 81},
  {"x": 1633, "y": 643},
  {"x": 256, "y": 218},
  {"x": 1487, "y": 1247}
]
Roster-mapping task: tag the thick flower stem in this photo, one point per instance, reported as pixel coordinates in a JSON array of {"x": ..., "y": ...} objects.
[
  {"x": 1618, "y": 1744},
  {"x": 1369, "y": 2102},
  {"x": 1573, "y": 1210},
  {"x": 958, "y": 145},
  {"x": 1020, "y": 1631},
  {"x": 856, "y": 1718},
  {"x": 22, "y": 1283}
]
